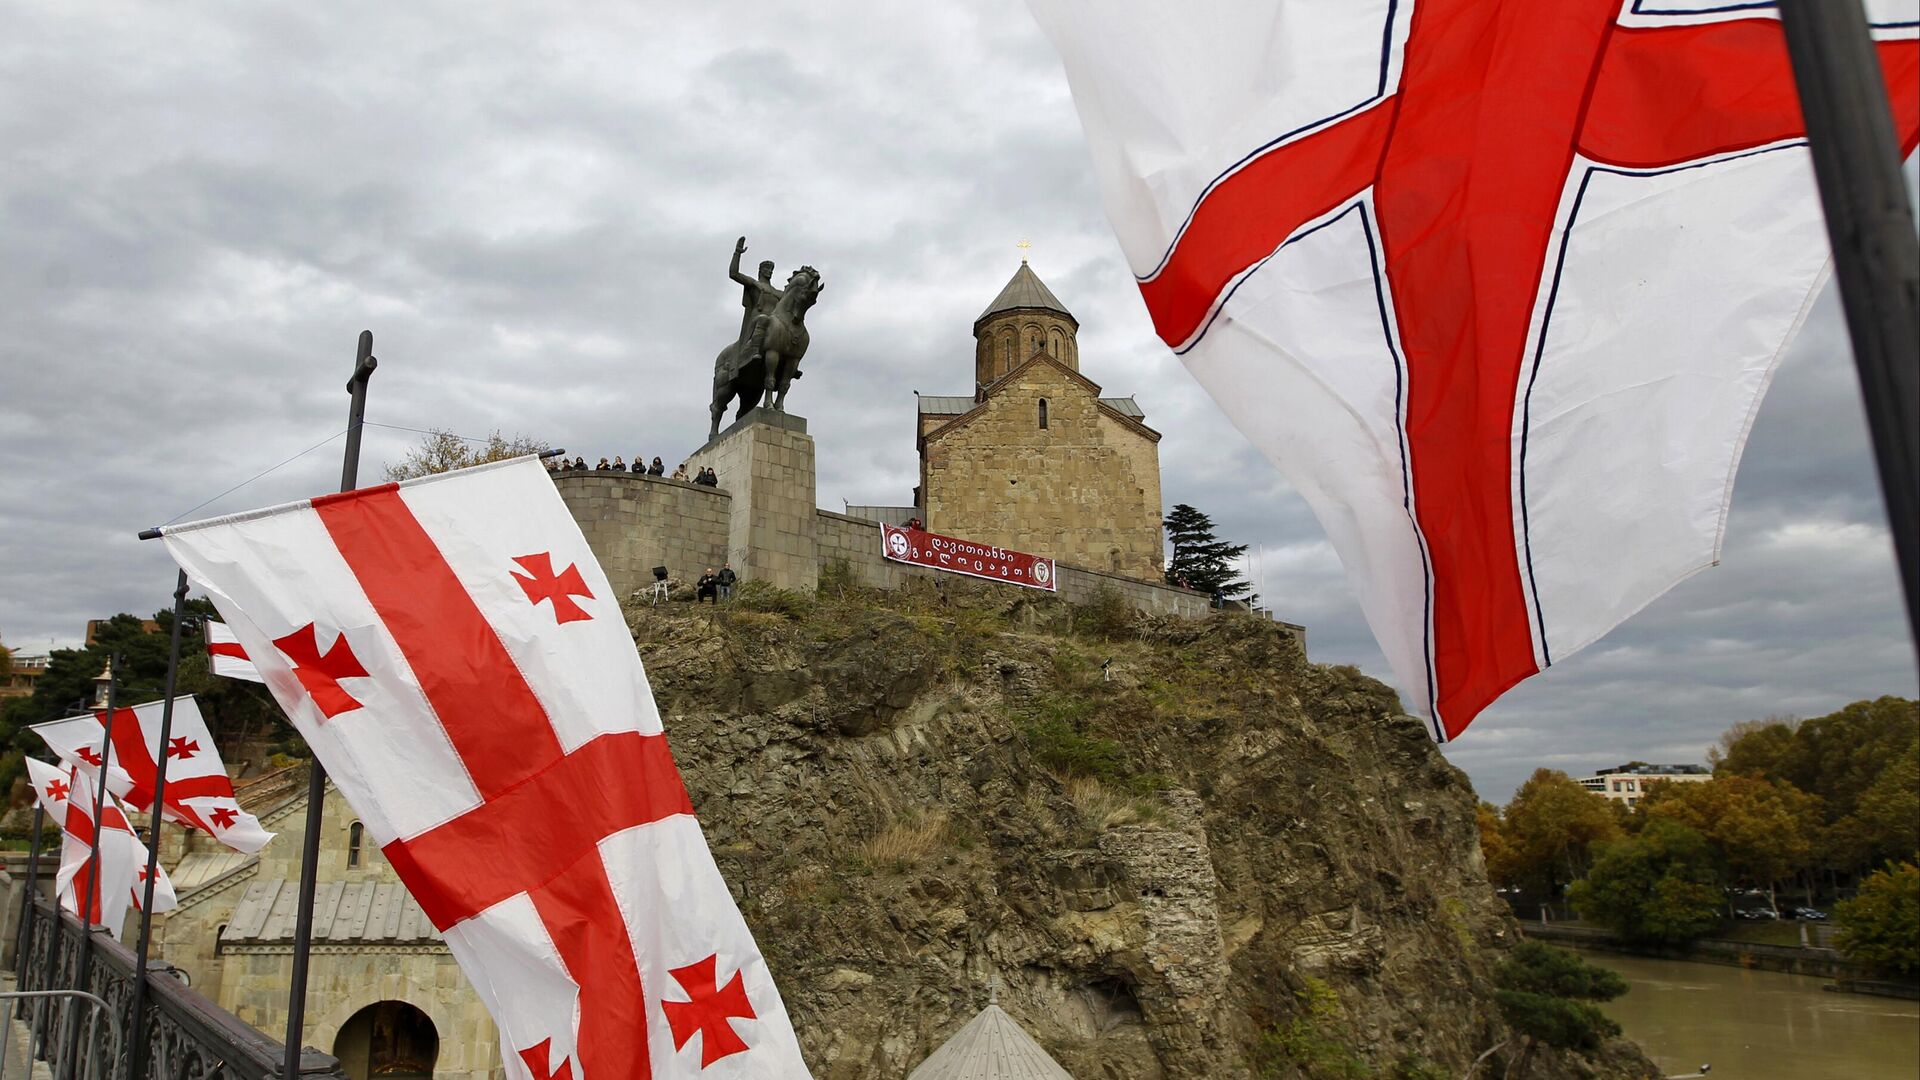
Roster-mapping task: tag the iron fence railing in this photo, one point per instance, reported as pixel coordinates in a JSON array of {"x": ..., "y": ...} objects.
[{"x": 187, "y": 1037}]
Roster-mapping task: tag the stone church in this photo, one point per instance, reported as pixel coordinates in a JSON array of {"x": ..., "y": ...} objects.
[{"x": 1036, "y": 459}]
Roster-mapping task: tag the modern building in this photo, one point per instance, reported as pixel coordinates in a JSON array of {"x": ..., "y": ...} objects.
[
  {"x": 1037, "y": 458},
  {"x": 21, "y": 674},
  {"x": 1630, "y": 783}
]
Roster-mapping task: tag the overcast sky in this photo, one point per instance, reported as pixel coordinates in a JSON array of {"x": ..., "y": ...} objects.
[{"x": 532, "y": 208}]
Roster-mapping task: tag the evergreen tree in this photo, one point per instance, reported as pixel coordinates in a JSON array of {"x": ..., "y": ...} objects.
[{"x": 1205, "y": 561}]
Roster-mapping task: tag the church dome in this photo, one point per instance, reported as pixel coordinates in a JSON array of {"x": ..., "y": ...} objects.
[
  {"x": 1024, "y": 291},
  {"x": 1026, "y": 318}
]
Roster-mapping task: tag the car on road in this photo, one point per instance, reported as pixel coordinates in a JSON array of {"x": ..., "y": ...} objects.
[
  {"x": 1756, "y": 913},
  {"x": 1801, "y": 911}
]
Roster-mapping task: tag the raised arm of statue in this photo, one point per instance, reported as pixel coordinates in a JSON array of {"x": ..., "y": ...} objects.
[{"x": 733, "y": 269}]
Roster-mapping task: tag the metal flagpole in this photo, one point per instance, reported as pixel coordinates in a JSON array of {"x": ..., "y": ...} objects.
[
  {"x": 1876, "y": 254},
  {"x": 84, "y": 900},
  {"x": 23, "y": 949},
  {"x": 363, "y": 366},
  {"x": 136, "y": 1044}
]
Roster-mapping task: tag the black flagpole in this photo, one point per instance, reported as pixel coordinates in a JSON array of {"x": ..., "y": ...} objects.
[
  {"x": 1876, "y": 255},
  {"x": 84, "y": 900},
  {"x": 363, "y": 365},
  {"x": 136, "y": 1038}
]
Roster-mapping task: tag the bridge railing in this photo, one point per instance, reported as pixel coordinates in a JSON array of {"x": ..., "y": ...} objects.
[{"x": 188, "y": 1037}]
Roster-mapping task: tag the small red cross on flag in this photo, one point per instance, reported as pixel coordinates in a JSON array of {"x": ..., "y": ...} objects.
[
  {"x": 1497, "y": 285},
  {"x": 321, "y": 672},
  {"x": 560, "y": 588},
  {"x": 505, "y": 750}
]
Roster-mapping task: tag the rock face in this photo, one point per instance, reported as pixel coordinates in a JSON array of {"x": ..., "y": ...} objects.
[{"x": 915, "y": 793}]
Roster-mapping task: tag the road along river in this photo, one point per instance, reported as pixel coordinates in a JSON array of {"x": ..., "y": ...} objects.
[{"x": 1761, "y": 1025}]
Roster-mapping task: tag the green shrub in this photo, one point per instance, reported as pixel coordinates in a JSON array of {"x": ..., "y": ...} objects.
[
  {"x": 1067, "y": 752},
  {"x": 760, "y": 596},
  {"x": 1308, "y": 1045},
  {"x": 1881, "y": 926},
  {"x": 1107, "y": 615}
]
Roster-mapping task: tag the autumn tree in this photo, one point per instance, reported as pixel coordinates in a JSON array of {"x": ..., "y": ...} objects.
[
  {"x": 443, "y": 451},
  {"x": 1662, "y": 885},
  {"x": 1881, "y": 926},
  {"x": 1549, "y": 829},
  {"x": 1494, "y": 847},
  {"x": 1764, "y": 831}
]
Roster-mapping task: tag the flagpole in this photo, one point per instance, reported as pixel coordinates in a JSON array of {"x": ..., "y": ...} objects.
[
  {"x": 363, "y": 365},
  {"x": 84, "y": 901},
  {"x": 1856, "y": 161},
  {"x": 136, "y": 1038}
]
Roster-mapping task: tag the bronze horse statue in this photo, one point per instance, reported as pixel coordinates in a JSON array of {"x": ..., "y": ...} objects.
[{"x": 765, "y": 364}]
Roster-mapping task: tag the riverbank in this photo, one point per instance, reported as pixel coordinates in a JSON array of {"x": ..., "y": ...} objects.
[{"x": 1786, "y": 959}]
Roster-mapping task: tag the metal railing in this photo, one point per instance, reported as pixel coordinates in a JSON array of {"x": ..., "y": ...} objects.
[
  {"x": 97, "y": 1011},
  {"x": 187, "y": 1037}
]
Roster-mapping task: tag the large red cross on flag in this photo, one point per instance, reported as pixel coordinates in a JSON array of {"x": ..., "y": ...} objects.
[
  {"x": 1497, "y": 284},
  {"x": 501, "y": 742}
]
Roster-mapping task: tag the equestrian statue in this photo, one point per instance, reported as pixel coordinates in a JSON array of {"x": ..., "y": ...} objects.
[{"x": 764, "y": 358}]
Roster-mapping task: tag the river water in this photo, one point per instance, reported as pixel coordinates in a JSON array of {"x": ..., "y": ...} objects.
[{"x": 1761, "y": 1025}]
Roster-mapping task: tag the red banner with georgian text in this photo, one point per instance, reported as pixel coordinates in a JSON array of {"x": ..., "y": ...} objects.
[{"x": 966, "y": 557}]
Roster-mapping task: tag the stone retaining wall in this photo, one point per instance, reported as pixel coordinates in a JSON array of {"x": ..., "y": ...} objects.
[
  {"x": 1793, "y": 960},
  {"x": 635, "y": 523}
]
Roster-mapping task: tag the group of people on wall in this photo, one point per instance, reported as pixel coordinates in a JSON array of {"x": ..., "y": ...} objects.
[{"x": 640, "y": 467}]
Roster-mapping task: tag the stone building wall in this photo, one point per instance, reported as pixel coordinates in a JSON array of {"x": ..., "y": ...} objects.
[
  {"x": 1089, "y": 481},
  {"x": 635, "y": 523},
  {"x": 250, "y": 980}
]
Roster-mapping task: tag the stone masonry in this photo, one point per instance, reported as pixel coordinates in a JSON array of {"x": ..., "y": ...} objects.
[{"x": 765, "y": 465}]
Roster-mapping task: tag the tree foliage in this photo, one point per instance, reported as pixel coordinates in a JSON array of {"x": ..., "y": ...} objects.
[
  {"x": 1662, "y": 885},
  {"x": 1881, "y": 926},
  {"x": 1205, "y": 561},
  {"x": 442, "y": 451},
  {"x": 1547, "y": 995},
  {"x": 1763, "y": 830},
  {"x": 1548, "y": 831},
  {"x": 1863, "y": 764}
]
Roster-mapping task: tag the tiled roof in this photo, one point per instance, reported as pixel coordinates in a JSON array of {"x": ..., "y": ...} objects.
[
  {"x": 991, "y": 1047},
  {"x": 1025, "y": 290},
  {"x": 892, "y": 515},
  {"x": 931, "y": 404},
  {"x": 363, "y": 913},
  {"x": 1125, "y": 406},
  {"x": 198, "y": 868}
]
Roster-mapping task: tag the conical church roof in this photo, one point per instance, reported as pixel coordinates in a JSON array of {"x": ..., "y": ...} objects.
[
  {"x": 992, "y": 1046},
  {"x": 1025, "y": 290}
]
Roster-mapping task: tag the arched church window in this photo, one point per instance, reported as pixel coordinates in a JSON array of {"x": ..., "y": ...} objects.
[
  {"x": 1057, "y": 344},
  {"x": 1043, "y": 414},
  {"x": 1006, "y": 351},
  {"x": 355, "y": 834}
]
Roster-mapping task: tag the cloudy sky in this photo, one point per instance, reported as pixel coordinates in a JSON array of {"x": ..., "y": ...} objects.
[{"x": 532, "y": 207}]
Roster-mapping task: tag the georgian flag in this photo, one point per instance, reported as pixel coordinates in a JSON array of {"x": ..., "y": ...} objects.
[
  {"x": 1497, "y": 286},
  {"x": 225, "y": 655},
  {"x": 199, "y": 792},
  {"x": 118, "y": 880},
  {"x": 456, "y": 659}
]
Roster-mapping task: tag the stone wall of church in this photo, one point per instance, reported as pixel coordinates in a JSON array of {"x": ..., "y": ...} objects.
[{"x": 1087, "y": 482}]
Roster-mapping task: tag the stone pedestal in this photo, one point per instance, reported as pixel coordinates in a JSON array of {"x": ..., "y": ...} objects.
[{"x": 765, "y": 462}]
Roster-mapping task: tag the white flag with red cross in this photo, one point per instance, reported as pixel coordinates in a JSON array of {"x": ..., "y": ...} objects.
[
  {"x": 226, "y": 656},
  {"x": 199, "y": 792},
  {"x": 457, "y": 660},
  {"x": 1497, "y": 285},
  {"x": 118, "y": 880}
]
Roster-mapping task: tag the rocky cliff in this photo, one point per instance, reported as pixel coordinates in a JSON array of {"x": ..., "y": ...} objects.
[{"x": 1210, "y": 859}]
